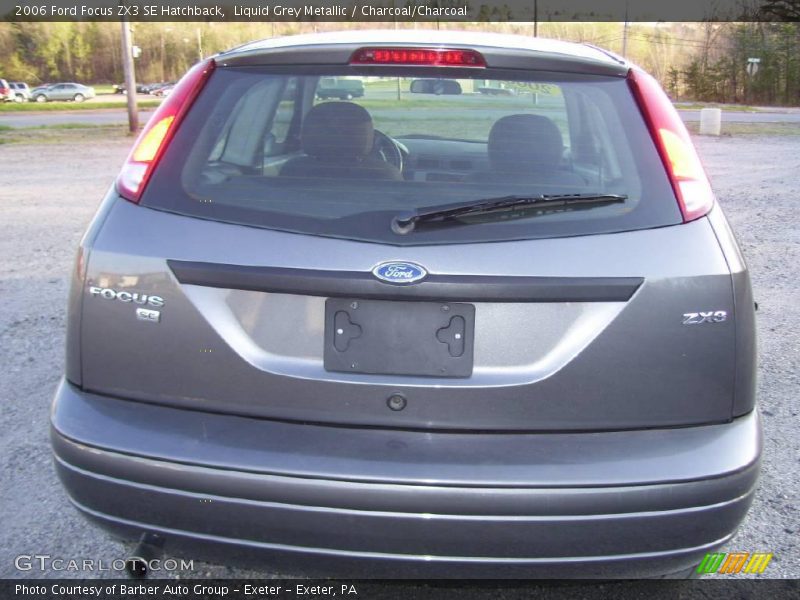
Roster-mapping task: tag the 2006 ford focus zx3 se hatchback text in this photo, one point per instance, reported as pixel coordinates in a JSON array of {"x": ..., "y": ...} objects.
[{"x": 485, "y": 320}]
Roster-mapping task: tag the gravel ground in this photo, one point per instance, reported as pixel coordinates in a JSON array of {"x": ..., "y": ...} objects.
[{"x": 50, "y": 191}]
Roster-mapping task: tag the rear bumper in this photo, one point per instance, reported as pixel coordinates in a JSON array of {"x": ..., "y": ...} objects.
[{"x": 358, "y": 502}]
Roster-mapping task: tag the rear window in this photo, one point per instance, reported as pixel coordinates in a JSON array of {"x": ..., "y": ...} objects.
[{"x": 342, "y": 151}]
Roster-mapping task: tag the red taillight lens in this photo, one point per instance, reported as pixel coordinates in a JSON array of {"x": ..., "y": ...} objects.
[
  {"x": 159, "y": 130},
  {"x": 437, "y": 57},
  {"x": 686, "y": 173}
]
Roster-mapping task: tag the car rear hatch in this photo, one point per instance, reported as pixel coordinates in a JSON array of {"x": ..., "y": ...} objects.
[{"x": 612, "y": 317}]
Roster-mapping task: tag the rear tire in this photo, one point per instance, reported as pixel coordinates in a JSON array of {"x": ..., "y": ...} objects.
[
  {"x": 41, "y": 98},
  {"x": 79, "y": 98}
]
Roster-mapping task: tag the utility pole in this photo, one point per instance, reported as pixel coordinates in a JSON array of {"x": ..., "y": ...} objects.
[
  {"x": 163, "y": 76},
  {"x": 534, "y": 94},
  {"x": 130, "y": 78},
  {"x": 199, "y": 44},
  {"x": 625, "y": 33}
]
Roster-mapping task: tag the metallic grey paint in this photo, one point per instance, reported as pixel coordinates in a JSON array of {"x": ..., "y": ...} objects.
[
  {"x": 661, "y": 372},
  {"x": 584, "y": 505},
  {"x": 745, "y": 385},
  {"x": 593, "y": 439}
]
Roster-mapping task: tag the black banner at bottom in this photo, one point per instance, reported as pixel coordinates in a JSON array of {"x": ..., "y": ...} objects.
[{"x": 73, "y": 589}]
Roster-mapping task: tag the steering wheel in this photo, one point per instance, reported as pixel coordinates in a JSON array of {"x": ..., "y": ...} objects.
[{"x": 387, "y": 150}]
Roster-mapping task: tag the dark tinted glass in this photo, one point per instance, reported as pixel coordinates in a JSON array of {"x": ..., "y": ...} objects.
[{"x": 332, "y": 151}]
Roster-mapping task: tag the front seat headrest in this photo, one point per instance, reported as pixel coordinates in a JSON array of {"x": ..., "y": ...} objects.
[
  {"x": 524, "y": 143},
  {"x": 337, "y": 130}
]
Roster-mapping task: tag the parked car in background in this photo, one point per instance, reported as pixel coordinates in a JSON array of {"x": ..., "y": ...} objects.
[
  {"x": 38, "y": 90},
  {"x": 141, "y": 88},
  {"x": 155, "y": 88},
  {"x": 415, "y": 339},
  {"x": 435, "y": 86},
  {"x": 21, "y": 90},
  {"x": 163, "y": 90},
  {"x": 6, "y": 93},
  {"x": 152, "y": 87},
  {"x": 62, "y": 91},
  {"x": 343, "y": 89}
]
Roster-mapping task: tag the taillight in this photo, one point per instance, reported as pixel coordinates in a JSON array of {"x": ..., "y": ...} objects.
[
  {"x": 155, "y": 137},
  {"x": 436, "y": 57},
  {"x": 677, "y": 151}
]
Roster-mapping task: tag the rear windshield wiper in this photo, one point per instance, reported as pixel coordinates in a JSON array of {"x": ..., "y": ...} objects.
[{"x": 407, "y": 222}]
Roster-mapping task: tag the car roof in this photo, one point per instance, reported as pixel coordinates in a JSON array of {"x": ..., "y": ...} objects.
[{"x": 432, "y": 37}]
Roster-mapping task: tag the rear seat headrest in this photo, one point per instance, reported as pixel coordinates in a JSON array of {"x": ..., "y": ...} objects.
[
  {"x": 522, "y": 143},
  {"x": 338, "y": 130}
]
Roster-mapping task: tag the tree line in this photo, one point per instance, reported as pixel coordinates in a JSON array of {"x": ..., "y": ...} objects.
[
  {"x": 720, "y": 72},
  {"x": 694, "y": 61}
]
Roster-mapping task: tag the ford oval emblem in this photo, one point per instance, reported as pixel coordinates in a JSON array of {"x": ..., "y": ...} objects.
[{"x": 399, "y": 272}]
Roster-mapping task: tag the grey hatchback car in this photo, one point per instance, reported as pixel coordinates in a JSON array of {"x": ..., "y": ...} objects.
[{"x": 414, "y": 334}]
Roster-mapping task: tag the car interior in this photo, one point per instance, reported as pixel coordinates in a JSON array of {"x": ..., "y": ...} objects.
[
  {"x": 305, "y": 136},
  {"x": 267, "y": 142},
  {"x": 337, "y": 140}
]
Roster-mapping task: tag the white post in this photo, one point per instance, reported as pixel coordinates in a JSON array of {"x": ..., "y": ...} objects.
[{"x": 710, "y": 121}]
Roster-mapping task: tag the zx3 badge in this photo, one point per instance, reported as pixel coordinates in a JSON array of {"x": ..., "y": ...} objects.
[{"x": 695, "y": 318}]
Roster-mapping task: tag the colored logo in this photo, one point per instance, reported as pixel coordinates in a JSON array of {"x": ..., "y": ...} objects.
[
  {"x": 734, "y": 562},
  {"x": 399, "y": 272}
]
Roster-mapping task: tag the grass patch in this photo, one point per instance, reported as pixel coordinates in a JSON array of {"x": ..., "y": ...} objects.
[
  {"x": 732, "y": 129},
  {"x": 723, "y": 107},
  {"x": 466, "y": 102},
  {"x": 60, "y": 126},
  {"x": 473, "y": 129},
  {"x": 384, "y": 85},
  {"x": 104, "y": 88},
  {"x": 9, "y": 107},
  {"x": 69, "y": 126},
  {"x": 71, "y": 133}
]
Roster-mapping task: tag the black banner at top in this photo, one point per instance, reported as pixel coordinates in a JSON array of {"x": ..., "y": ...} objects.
[{"x": 400, "y": 10}]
